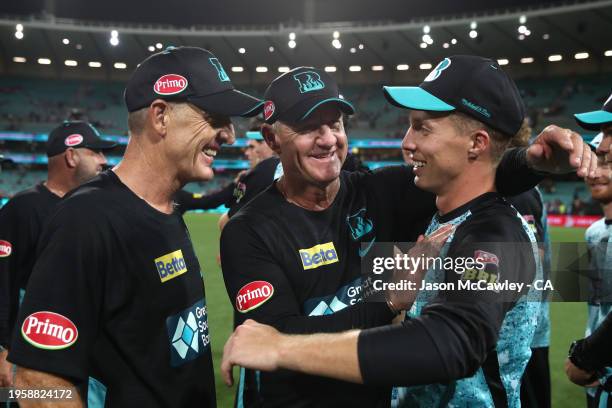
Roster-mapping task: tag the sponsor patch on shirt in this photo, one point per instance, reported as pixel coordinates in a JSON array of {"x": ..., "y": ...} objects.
[
  {"x": 49, "y": 331},
  {"x": 171, "y": 265},
  {"x": 252, "y": 295},
  {"x": 486, "y": 257},
  {"x": 5, "y": 248},
  {"x": 318, "y": 255},
  {"x": 188, "y": 333}
]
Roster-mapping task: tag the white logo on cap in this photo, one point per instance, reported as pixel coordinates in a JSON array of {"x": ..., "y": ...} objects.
[
  {"x": 609, "y": 98},
  {"x": 433, "y": 75},
  {"x": 170, "y": 84},
  {"x": 73, "y": 140}
]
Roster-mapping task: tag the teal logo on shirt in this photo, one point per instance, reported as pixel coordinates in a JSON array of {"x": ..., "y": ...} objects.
[{"x": 188, "y": 333}]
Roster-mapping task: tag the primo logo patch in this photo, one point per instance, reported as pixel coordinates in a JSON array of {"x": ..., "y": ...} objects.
[
  {"x": 309, "y": 81},
  {"x": 170, "y": 265},
  {"x": 188, "y": 333},
  {"x": 319, "y": 255}
]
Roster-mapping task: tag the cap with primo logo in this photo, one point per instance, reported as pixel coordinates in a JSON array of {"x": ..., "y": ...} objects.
[
  {"x": 189, "y": 74},
  {"x": 76, "y": 134},
  {"x": 469, "y": 84}
]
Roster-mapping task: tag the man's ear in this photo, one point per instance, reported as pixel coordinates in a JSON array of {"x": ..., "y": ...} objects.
[
  {"x": 159, "y": 116},
  {"x": 480, "y": 141},
  {"x": 71, "y": 156},
  {"x": 270, "y": 137}
]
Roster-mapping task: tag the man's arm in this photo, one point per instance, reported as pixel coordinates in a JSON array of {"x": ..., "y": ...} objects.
[
  {"x": 36, "y": 380},
  {"x": 189, "y": 201}
]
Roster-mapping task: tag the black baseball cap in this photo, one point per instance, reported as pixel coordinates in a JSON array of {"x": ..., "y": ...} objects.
[
  {"x": 76, "y": 134},
  {"x": 189, "y": 74},
  {"x": 294, "y": 95},
  {"x": 469, "y": 84},
  {"x": 595, "y": 119}
]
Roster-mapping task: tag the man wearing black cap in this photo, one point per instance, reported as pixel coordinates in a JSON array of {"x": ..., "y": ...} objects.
[
  {"x": 116, "y": 292},
  {"x": 451, "y": 337},
  {"x": 75, "y": 155},
  {"x": 600, "y": 120}
]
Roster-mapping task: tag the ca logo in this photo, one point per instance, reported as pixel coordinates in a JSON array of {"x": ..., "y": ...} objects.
[
  {"x": 308, "y": 81},
  {"x": 222, "y": 74},
  {"x": 433, "y": 75}
]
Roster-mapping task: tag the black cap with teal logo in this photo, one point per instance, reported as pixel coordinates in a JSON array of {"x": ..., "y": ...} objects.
[
  {"x": 469, "y": 84},
  {"x": 188, "y": 74},
  {"x": 294, "y": 95}
]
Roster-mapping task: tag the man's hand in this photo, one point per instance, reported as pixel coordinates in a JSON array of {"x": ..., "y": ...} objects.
[
  {"x": 6, "y": 370},
  {"x": 578, "y": 376},
  {"x": 558, "y": 150},
  {"x": 252, "y": 345},
  {"x": 426, "y": 247}
]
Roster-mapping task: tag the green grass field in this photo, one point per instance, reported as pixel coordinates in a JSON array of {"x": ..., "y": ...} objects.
[{"x": 567, "y": 319}]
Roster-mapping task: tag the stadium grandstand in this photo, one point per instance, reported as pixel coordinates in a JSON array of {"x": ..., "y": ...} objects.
[{"x": 70, "y": 59}]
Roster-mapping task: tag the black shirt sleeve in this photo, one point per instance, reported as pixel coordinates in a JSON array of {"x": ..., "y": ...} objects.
[
  {"x": 596, "y": 350},
  {"x": 513, "y": 174},
  {"x": 68, "y": 280},
  {"x": 246, "y": 259},
  {"x": 12, "y": 237},
  {"x": 456, "y": 331},
  {"x": 186, "y": 200}
]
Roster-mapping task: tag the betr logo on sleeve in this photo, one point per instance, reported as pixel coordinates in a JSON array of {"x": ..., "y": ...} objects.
[
  {"x": 171, "y": 265},
  {"x": 318, "y": 255}
]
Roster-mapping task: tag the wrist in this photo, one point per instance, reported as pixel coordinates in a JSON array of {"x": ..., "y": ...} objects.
[{"x": 575, "y": 355}]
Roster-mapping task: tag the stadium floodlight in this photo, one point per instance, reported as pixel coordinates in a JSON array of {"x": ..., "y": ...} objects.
[
  {"x": 283, "y": 69},
  {"x": 473, "y": 34},
  {"x": 336, "y": 44},
  {"x": 271, "y": 48},
  {"x": 79, "y": 47},
  {"x": 454, "y": 41},
  {"x": 427, "y": 39},
  {"x": 94, "y": 64},
  {"x": 526, "y": 60},
  {"x": 527, "y": 33},
  {"x": 555, "y": 58},
  {"x": 336, "y": 35},
  {"x": 473, "y": 25},
  {"x": 120, "y": 65},
  {"x": 425, "y": 65},
  {"x": 402, "y": 67},
  {"x": 241, "y": 50},
  {"x": 44, "y": 61},
  {"x": 546, "y": 36},
  {"x": 355, "y": 68},
  {"x": 114, "y": 41},
  {"x": 522, "y": 29},
  {"x": 503, "y": 61},
  {"x": 608, "y": 53},
  {"x": 19, "y": 35},
  {"x": 581, "y": 55},
  {"x": 377, "y": 67},
  {"x": 65, "y": 41},
  {"x": 361, "y": 46},
  {"x": 521, "y": 37},
  {"x": 114, "y": 34},
  {"x": 159, "y": 46},
  {"x": 292, "y": 36},
  {"x": 445, "y": 45},
  {"x": 151, "y": 48},
  {"x": 292, "y": 44},
  {"x": 71, "y": 63},
  {"x": 523, "y": 19},
  {"x": 353, "y": 50},
  {"x": 261, "y": 69},
  {"x": 19, "y": 60},
  {"x": 426, "y": 29},
  {"x": 423, "y": 45},
  {"x": 237, "y": 69},
  {"x": 19, "y": 27},
  {"x": 330, "y": 68}
]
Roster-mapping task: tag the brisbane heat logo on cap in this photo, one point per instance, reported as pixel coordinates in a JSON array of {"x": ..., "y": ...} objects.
[
  {"x": 5, "y": 249},
  {"x": 268, "y": 109},
  {"x": 170, "y": 84},
  {"x": 73, "y": 140},
  {"x": 252, "y": 295},
  {"x": 433, "y": 75},
  {"x": 49, "y": 331}
]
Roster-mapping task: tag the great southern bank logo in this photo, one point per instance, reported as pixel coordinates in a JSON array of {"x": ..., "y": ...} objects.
[{"x": 188, "y": 333}]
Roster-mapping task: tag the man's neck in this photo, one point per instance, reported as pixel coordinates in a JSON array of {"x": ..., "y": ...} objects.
[
  {"x": 607, "y": 208},
  {"x": 60, "y": 184},
  {"x": 306, "y": 195},
  {"x": 146, "y": 174},
  {"x": 464, "y": 189}
]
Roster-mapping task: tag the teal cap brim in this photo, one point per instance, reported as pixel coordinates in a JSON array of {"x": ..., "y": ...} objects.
[
  {"x": 344, "y": 105},
  {"x": 416, "y": 98},
  {"x": 593, "y": 120},
  {"x": 254, "y": 135}
]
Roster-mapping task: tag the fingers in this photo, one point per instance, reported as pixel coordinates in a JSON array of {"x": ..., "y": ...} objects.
[{"x": 226, "y": 365}]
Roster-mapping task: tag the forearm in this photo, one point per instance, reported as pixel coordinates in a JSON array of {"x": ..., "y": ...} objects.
[
  {"x": 32, "y": 379},
  {"x": 596, "y": 348},
  {"x": 329, "y": 355}
]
